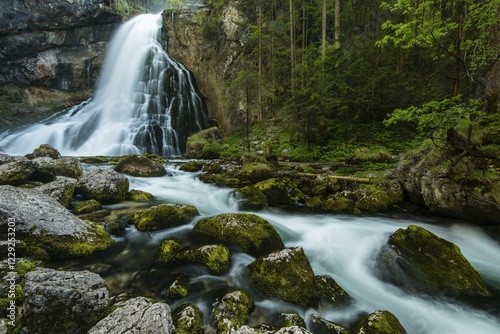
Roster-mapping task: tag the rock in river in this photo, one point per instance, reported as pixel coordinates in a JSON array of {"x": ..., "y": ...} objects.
[
  {"x": 162, "y": 216},
  {"x": 103, "y": 185}
]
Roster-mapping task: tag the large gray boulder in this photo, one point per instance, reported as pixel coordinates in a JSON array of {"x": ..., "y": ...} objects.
[
  {"x": 47, "y": 168},
  {"x": 62, "y": 301},
  {"x": 16, "y": 171},
  {"x": 136, "y": 316},
  {"x": 103, "y": 185},
  {"x": 62, "y": 189},
  {"x": 45, "y": 228},
  {"x": 140, "y": 165}
]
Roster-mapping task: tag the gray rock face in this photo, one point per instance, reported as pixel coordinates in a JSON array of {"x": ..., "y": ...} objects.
[
  {"x": 46, "y": 226},
  {"x": 103, "y": 185},
  {"x": 75, "y": 299},
  {"x": 47, "y": 167},
  {"x": 16, "y": 172},
  {"x": 62, "y": 189},
  {"x": 138, "y": 315}
]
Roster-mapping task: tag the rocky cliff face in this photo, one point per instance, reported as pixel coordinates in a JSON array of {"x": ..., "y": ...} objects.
[
  {"x": 47, "y": 50},
  {"x": 212, "y": 55}
]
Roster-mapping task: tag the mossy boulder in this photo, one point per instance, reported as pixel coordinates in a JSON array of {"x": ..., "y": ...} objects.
[
  {"x": 275, "y": 190},
  {"x": 251, "y": 233},
  {"x": 140, "y": 165},
  {"x": 285, "y": 275},
  {"x": 187, "y": 320},
  {"x": 232, "y": 311},
  {"x": 192, "y": 166},
  {"x": 329, "y": 293},
  {"x": 198, "y": 145},
  {"x": 379, "y": 322},
  {"x": 47, "y": 168},
  {"x": 168, "y": 250},
  {"x": 376, "y": 198},
  {"x": 139, "y": 196},
  {"x": 256, "y": 171},
  {"x": 44, "y": 150},
  {"x": 103, "y": 185},
  {"x": 419, "y": 261},
  {"x": 339, "y": 204},
  {"x": 178, "y": 289},
  {"x": 216, "y": 258},
  {"x": 62, "y": 189},
  {"x": 251, "y": 198},
  {"x": 290, "y": 319},
  {"x": 320, "y": 325},
  {"x": 94, "y": 159},
  {"x": 87, "y": 207},
  {"x": 16, "y": 172},
  {"x": 162, "y": 216},
  {"x": 220, "y": 180},
  {"x": 54, "y": 234}
]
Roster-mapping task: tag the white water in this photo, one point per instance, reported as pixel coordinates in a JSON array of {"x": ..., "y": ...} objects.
[
  {"x": 145, "y": 102},
  {"x": 343, "y": 247}
]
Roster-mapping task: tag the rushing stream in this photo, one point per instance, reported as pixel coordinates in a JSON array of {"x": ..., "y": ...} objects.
[{"x": 342, "y": 246}]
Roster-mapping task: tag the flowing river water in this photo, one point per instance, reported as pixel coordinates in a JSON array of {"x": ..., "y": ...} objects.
[{"x": 342, "y": 246}]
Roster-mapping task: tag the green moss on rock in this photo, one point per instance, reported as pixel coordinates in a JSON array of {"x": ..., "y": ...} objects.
[
  {"x": 94, "y": 159},
  {"x": 339, "y": 204},
  {"x": 256, "y": 171},
  {"x": 44, "y": 150},
  {"x": 140, "y": 165},
  {"x": 275, "y": 190},
  {"x": 187, "y": 320},
  {"x": 168, "y": 250},
  {"x": 87, "y": 207},
  {"x": 192, "y": 166},
  {"x": 216, "y": 258},
  {"x": 251, "y": 198},
  {"x": 251, "y": 233},
  {"x": 372, "y": 198},
  {"x": 162, "y": 216},
  {"x": 178, "y": 289},
  {"x": 328, "y": 292},
  {"x": 205, "y": 144},
  {"x": 232, "y": 311},
  {"x": 379, "y": 322},
  {"x": 139, "y": 196}
]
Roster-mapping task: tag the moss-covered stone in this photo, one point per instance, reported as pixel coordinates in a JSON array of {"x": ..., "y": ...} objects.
[
  {"x": 139, "y": 196},
  {"x": 320, "y": 325},
  {"x": 162, "y": 216},
  {"x": 315, "y": 203},
  {"x": 16, "y": 172},
  {"x": 115, "y": 227},
  {"x": 232, "y": 311},
  {"x": 216, "y": 258},
  {"x": 62, "y": 189},
  {"x": 178, "y": 289},
  {"x": 220, "y": 180},
  {"x": 104, "y": 185},
  {"x": 290, "y": 319},
  {"x": 168, "y": 250},
  {"x": 256, "y": 171},
  {"x": 339, "y": 204},
  {"x": 328, "y": 292},
  {"x": 419, "y": 261},
  {"x": 87, "y": 207},
  {"x": 379, "y": 322},
  {"x": 251, "y": 233},
  {"x": 187, "y": 320},
  {"x": 44, "y": 150},
  {"x": 286, "y": 275},
  {"x": 372, "y": 198},
  {"x": 201, "y": 144},
  {"x": 94, "y": 159},
  {"x": 251, "y": 198},
  {"x": 192, "y": 166},
  {"x": 140, "y": 165},
  {"x": 275, "y": 190},
  {"x": 45, "y": 167}
]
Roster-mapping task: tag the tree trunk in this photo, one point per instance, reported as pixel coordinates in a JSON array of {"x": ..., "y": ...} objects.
[
  {"x": 323, "y": 29},
  {"x": 336, "y": 30}
]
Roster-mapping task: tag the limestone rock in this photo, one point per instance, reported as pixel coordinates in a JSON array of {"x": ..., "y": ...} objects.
[
  {"x": 138, "y": 315},
  {"x": 139, "y": 196},
  {"x": 76, "y": 299},
  {"x": 291, "y": 319},
  {"x": 251, "y": 198},
  {"x": 46, "y": 169},
  {"x": 62, "y": 189},
  {"x": 232, "y": 311},
  {"x": 187, "y": 320},
  {"x": 140, "y": 165},
  {"x": 320, "y": 325},
  {"x": 103, "y": 185},
  {"x": 379, "y": 322},
  {"x": 251, "y": 233},
  {"x": 46, "y": 228},
  {"x": 16, "y": 172},
  {"x": 419, "y": 261},
  {"x": 215, "y": 257},
  {"x": 44, "y": 150},
  {"x": 162, "y": 216},
  {"x": 87, "y": 207}
]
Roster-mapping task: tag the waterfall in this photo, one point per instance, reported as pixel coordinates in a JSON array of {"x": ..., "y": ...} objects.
[{"x": 144, "y": 102}]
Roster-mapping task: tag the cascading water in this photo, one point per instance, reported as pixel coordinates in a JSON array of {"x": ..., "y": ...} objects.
[{"x": 145, "y": 102}]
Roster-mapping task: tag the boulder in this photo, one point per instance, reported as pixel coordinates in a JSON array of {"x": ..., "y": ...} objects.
[
  {"x": 339, "y": 204},
  {"x": 103, "y": 185},
  {"x": 232, "y": 311},
  {"x": 320, "y": 325},
  {"x": 137, "y": 315},
  {"x": 87, "y": 207},
  {"x": 198, "y": 145},
  {"x": 62, "y": 189},
  {"x": 419, "y": 261},
  {"x": 47, "y": 168},
  {"x": 329, "y": 293},
  {"x": 290, "y": 319},
  {"x": 278, "y": 192},
  {"x": 168, "y": 250},
  {"x": 379, "y": 322},
  {"x": 44, "y": 150},
  {"x": 251, "y": 198},
  {"x": 140, "y": 165},
  {"x": 187, "y": 320},
  {"x": 256, "y": 171},
  {"x": 139, "y": 196},
  {"x": 192, "y": 166},
  {"x": 76, "y": 299},
  {"x": 178, "y": 289},
  {"x": 162, "y": 216},
  {"x": 292, "y": 330},
  {"x": 215, "y": 257},
  {"x": 251, "y": 233},
  {"x": 286, "y": 275},
  {"x": 378, "y": 197},
  {"x": 46, "y": 229},
  {"x": 16, "y": 172}
]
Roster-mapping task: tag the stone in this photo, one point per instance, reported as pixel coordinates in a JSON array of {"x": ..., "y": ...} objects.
[
  {"x": 178, "y": 289},
  {"x": 251, "y": 233},
  {"x": 16, "y": 172},
  {"x": 216, "y": 258},
  {"x": 76, "y": 299},
  {"x": 46, "y": 229},
  {"x": 232, "y": 311},
  {"x": 379, "y": 322},
  {"x": 168, "y": 250},
  {"x": 251, "y": 198},
  {"x": 87, "y": 207},
  {"x": 104, "y": 185},
  {"x": 192, "y": 166},
  {"x": 140, "y": 165},
  {"x": 290, "y": 319},
  {"x": 139, "y": 196},
  {"x": 329, "y": 293},
  {"x": 293, "y": 330},
  {"x": 47, "y": 168},
  {"x": 418, "y": 261},
  {"x": 187, "y": 320},
  {"x": 198, "y": 146},
  {"x": 44, "y": 150},
  {"x": 162, "y": 216},
  {"x": 255, "y": 172},
  {"x": 62, "y": 189},
  {"x": 320, "y": 325},
  {"x": 137, "y": 315}
]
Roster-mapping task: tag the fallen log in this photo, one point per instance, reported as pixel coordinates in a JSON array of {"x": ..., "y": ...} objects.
[{"x": 337, "y": 177}]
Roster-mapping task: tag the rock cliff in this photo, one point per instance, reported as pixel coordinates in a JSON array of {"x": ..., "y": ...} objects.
[{"x": 50, "y": 54}]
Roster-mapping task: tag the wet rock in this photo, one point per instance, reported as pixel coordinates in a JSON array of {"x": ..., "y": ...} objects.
[
  {"x": 62, "y": 189},
  {"x": 251, "y": 198},
  {"x": 162, "y": 216},
  {"x": 215, "y": 257},
  {"x": 320, "y": 325},
  {"x": 178, "y": 289},
  {"x": 94, "y": 159},
  {"x": 192, "y": 166},
  {"x": 46, "y": 228},
  {"x": 137, "y": 315},
  {"x": 187, "y": 320},
  {"x": 103, "y": 185},
  {"x": 419, "y": 261},
  {"x": 339, "y": 204},
  {"x": 76, "y": 299},
  {"x": 139, "y": 196},
  {"x": 115, "y": 227},
  {"x": 232, "y": 311},
  {"x": 279, "y": 192},
  {"x": 379, "y": 322},
  {"x": 140, "y": 165},
  {"x": 286, "y": 275},
  {"x": 87, "y": 207},
  {"x": 256, "y": 171},
  {"x": 16, "y": 172},
  {"x": 328, "y": 292},
  {"x": 46, "y": 169},
  {"x": 379, "y": 197},
  {"x": 293, "y": 330},
  {"x": 198, "y": 146},
  {"x": 44, "y": 150},
  {"x": 168, "y": 250},
  {"x": 290, "y": 319},
  {"x": 251, "y": 233}
]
